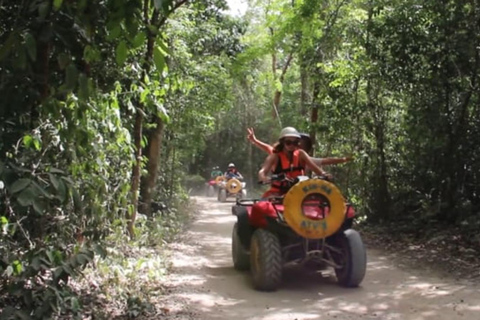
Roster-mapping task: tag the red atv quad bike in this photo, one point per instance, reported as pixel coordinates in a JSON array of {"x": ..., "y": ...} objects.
[
  {"x": 213, "y": 186},
  {"x": 210, "y": 187},
  {"x": 311, "y": 225}
]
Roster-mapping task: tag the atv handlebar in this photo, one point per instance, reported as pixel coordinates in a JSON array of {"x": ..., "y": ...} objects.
[{"x": 283, "y": 177}]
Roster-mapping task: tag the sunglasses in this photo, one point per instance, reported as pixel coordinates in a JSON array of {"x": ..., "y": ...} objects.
[{"x": 291, "y": 142}]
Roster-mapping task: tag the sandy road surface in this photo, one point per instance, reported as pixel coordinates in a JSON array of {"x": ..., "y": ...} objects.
[{"x": 205, "y": 286}]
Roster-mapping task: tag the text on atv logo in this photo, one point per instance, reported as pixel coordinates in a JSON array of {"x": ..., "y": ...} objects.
[
  {"x": 314, "y": 225},
  {"x": 311, "y": 187}
]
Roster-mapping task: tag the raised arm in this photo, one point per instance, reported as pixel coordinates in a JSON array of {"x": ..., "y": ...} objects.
[
  {"x": 259, "y": 144},
  {"x": 329, "y": 161},
  {"x": 311, "y": 164}
]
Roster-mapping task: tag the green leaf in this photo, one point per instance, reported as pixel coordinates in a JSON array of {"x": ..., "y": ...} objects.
[
  {"x": 8, "y": 45},
  {"x": 91, "y": 54},
  {"x": 21, "y": 61},
  {"x": 35, "y": 263},
  {"x": 62, "y": 191},
  {"x": 27, "y": 141},
  {"x": 4, "y": 224},
  {"x": 167, "y": 5},
  {"x": 63, "y": 60},
  {"x": 57, "y": 4},
  {"x": 82, "y": 259},
  {"x": 54, "y": 180},
  {"x": 25, "y": 198},
  {"x": 39, "y": 206},
  {"x": 55, "y": 170},
  {"x": 114, "y": 30},
  {"x": 100, "y": 250},
  {"x": 58, "y": 272},
  {"x": 144, "y": 94},
  {"x": 68, "y": 269},
  {"x": 77, "y": 202},
  {"x": 83, "y": 89},
  {"x": 139, "y": 39},
  {"x": 159, "y": 59},
  {"x": 162, "y": 113},
  {"x": 19, "y": 185},
  {"x": 121, "y": 53},
  {"x": 37, "y": 144},
  {"x": 43, "y": 9},
  {"x": 71, "y": 77},
  {"x": 41, "y": 190},
  {"x": 17, "y": 267},
  {"x": 31, "y": 46},
  {"x": 158, "y": 4},
  {"x": 163, "y": 46}
]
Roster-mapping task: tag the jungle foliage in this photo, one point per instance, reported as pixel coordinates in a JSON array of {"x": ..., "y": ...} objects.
[{"x": 109, "y": 106}]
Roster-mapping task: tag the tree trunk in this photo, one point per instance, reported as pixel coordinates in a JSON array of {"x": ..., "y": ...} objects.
[
  {"x": 153, "y": 153},
  {"x": 138, "y": 127},
  {"x": 382, "y": 194},
  {"x": 314, "y": 114},
  {"x": 304, "y": 89},
  {"x": 278, "y": 93},
  {"x": 137, "y": 138}
]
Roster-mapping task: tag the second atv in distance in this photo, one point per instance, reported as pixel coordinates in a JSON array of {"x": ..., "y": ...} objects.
[{"x": 231, "y": 188}]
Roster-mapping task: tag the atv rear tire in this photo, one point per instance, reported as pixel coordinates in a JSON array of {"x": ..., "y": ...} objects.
[
  {"x": 353, "y": 259},
  {"x": 244, "y": 194},
  {"x": 265, "y": 260},
  {"x": 240, "y": 256},
  {"x": 210, "y": 191},
  {"x": 222, "y": 197}
]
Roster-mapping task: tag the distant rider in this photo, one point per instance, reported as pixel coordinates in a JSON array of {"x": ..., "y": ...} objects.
[
  {"x": 215, "y": 172},
  {"x": 233, "y": 173}
]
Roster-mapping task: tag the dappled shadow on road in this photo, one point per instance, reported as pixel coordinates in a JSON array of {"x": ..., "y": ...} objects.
[{"x": 204, "y": 278}]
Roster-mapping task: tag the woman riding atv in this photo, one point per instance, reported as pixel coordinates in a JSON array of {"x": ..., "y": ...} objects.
[
  {"x": 305, "y": 144},
  {"x": 288, "y": 159}
]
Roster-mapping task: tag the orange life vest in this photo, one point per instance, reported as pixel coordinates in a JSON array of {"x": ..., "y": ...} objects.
[{"x": 291, "y": 169}]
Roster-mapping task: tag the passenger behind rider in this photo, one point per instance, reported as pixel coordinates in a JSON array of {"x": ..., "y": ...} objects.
[
  {"x": 305, "y": 144},
  {"x": 215, "y": 172},
  {"x": 288, "y": 159},
  {"x": 233, "y": 173}
]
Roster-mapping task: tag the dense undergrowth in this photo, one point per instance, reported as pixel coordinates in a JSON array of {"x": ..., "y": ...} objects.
[{"x": 115, "y": 277}]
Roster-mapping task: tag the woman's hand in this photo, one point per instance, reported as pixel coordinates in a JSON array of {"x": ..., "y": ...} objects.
[
  {"x": 327, "y": 175},
  {"x": 251, "y": 135}
]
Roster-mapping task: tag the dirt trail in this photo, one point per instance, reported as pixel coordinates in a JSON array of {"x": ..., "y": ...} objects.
[{"x": 205, "y": 286}]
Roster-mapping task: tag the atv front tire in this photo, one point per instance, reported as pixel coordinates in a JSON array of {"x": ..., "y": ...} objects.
[
  {"x": 222, "y": 197},
  {"x": 353, "y": 259},
  {"x": 240, "y": 256},
  {"x": 265, "y": 260}
]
